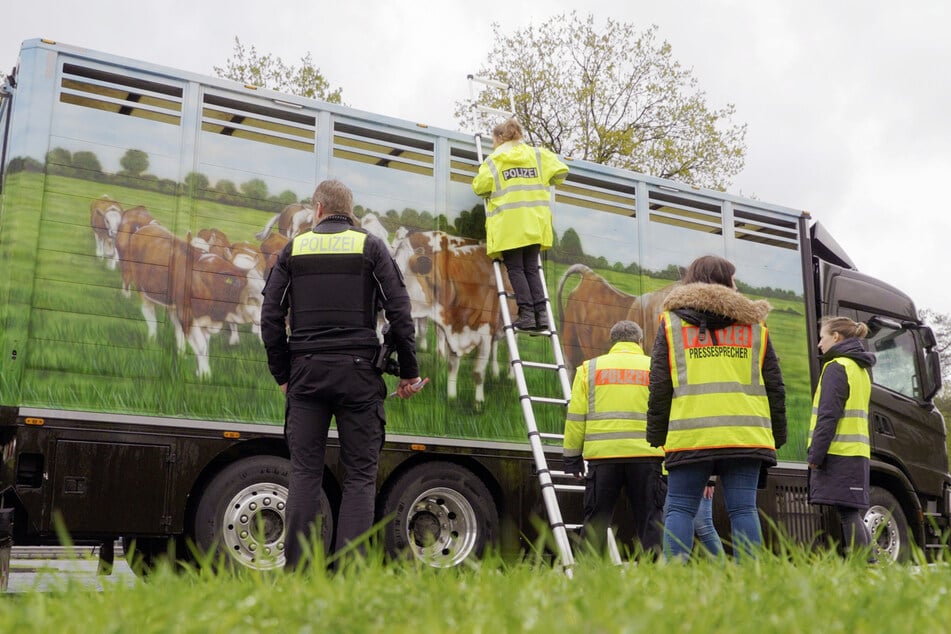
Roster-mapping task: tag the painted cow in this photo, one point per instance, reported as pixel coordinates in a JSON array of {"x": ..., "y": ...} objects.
[
  {"x": 133, "y": 219},
  {"x": 271, "y": 247},
  {"x": 594, "y": 306},
  {"x": 290, "y": 221},
  {"x": 105, "y": 215},
  {"x": 457, "y": 281},
  {"x": 201, "y": 291}
]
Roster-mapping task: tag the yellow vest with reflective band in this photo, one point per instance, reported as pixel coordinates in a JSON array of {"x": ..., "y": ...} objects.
[
  {"x": 607, "y": 414},
  {"x": 719, "y": 398},
  {"x": 851, "y": 432},
  {"x": 517, "y": 179}
]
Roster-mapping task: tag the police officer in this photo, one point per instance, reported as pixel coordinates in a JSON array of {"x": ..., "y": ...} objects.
[
  {"x": 516, "y": 179},
  {"x": 606, "y": 423},
  {"x": 328, "y": 283}
]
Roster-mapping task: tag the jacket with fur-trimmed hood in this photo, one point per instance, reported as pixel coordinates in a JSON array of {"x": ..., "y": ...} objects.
[{"x": 712, "y": 307}]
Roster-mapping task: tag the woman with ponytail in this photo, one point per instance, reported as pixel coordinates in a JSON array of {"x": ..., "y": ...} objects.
[{"x": 838, "y": 443}]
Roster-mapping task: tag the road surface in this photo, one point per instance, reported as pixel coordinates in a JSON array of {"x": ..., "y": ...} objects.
[{"x": 53, "y": 569}]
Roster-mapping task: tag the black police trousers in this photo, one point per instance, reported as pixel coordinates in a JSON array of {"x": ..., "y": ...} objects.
[
  {"x": 321, "y": 387},
  {"x": 640, "y": 479}
]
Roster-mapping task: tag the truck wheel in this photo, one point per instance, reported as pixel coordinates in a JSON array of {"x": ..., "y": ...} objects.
[
  {"x": 889, "y": 528},
  {"x": 442, "y": 514},
  {"x": 240, "y": 515}
]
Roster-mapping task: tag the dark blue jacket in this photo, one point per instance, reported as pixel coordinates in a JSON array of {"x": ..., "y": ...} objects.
[{"x": 838, "y": 480}]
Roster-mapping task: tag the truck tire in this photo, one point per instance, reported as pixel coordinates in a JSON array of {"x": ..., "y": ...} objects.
[
  {"x": 240, "y": 515},
  {"x": 442, "y": 514},
  {"x": 886, "y": 521}
]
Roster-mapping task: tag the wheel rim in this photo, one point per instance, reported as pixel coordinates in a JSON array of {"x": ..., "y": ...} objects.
[
  {"x": 442, "y": 528},
  {"x": 886, "y": 540},
  {"x": 253, "y": 527}
]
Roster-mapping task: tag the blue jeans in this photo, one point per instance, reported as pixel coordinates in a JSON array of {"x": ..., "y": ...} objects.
[
  {"x": 703, "y": 527},
  {"x": 737, "y": 479}
]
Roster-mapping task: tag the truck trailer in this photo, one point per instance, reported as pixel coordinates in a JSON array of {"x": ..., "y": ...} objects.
[{"x": 141, "y": 207}]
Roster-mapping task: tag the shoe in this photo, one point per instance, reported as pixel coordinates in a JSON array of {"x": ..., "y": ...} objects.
[
  {"x": 541, "y": 319},
  {"x": 525, "y": 321}
]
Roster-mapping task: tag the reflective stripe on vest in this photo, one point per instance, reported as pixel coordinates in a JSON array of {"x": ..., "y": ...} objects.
[
  {"x": 518, "y": 196},
  {"x": 719, "y": 399},
  {"x": 615, "y": 423},
  {"x": 851, "y": 431}
]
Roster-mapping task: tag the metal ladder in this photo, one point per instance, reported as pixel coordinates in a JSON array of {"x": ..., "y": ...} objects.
[
  {"x": 528, "y": 401},
  {"x": 545, "y": 474},
  {"x": 475, "y": 80}
]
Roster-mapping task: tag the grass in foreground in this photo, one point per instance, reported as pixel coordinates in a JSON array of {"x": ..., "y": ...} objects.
[{"x": 804, "y": 592}]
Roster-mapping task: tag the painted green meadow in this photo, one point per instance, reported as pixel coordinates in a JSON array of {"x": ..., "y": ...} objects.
[{"x": 82, "y": 344}]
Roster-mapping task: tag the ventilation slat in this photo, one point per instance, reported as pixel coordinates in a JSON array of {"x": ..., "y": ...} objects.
[
  {"x": 383, "y": 148},
  {"x": 763, "y": 229},
  {"x": 682, "y": 210},
  {"x": 120, "y": 94},
  {"x": 253, "y": 121}
]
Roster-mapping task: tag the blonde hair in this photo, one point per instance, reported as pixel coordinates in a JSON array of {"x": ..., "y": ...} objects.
[
  {"x": 845, "y": 327},
  {"x": 334, "y": 196},
  {"x": 508, "y": 130}
]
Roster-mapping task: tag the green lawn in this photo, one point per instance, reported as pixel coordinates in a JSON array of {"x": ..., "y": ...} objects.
[{"x": 798, "y": 593}]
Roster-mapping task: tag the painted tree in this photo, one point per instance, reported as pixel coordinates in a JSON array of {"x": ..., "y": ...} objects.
[
  {"x": 134, "y": 162},
  {"x": 248, "y": 66},
  {"x": 614, "y": 96}
]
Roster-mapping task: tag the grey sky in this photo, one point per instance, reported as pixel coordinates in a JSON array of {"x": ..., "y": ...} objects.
[{"x": 846, "y": 101}]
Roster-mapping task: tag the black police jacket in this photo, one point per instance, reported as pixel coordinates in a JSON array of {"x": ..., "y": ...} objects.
[{"x": 319, "y": 334}]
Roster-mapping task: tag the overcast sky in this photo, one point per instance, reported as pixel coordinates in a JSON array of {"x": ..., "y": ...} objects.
[{"x": 847, "y": 101}]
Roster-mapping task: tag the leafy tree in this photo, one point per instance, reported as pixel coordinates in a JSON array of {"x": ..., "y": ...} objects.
[
  {"x": 426, "y": 220},
  {"x": 196, "y": 181},
  {"x": 615, "y": 97},
  {"x": 410, "y": 218},
  {"x": 87, "y": 161},
  {"x": 287, "y": 197},
  {"x": 570, "y": 243},
  {"x": 134, "y": 162},
  {"x": 24, "y": 164},
  {"x": 59, "y": 156},
  {"x": 255, "y": 188},
  {"x": 226, "y": 187},
  {"x": 248, "y": 66},
  {"x": 471, "y": 224},
  {"x": 941, "y": 325}
]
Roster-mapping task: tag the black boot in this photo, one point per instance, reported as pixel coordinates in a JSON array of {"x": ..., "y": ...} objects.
[
  {"x": 541, "y": 319},
  {"x": 526, "y": 319}
]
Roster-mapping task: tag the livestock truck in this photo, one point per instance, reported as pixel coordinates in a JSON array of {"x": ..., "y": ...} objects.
[{"x": 140, "y": 208}]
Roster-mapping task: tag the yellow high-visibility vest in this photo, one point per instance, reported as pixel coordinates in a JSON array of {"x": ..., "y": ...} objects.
[
  {"x": 851, "y": 431},
  {"x": 607, "y": 415},
  {"x": 517, "y": 179},
  {"x": 719, "y": 398}
]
